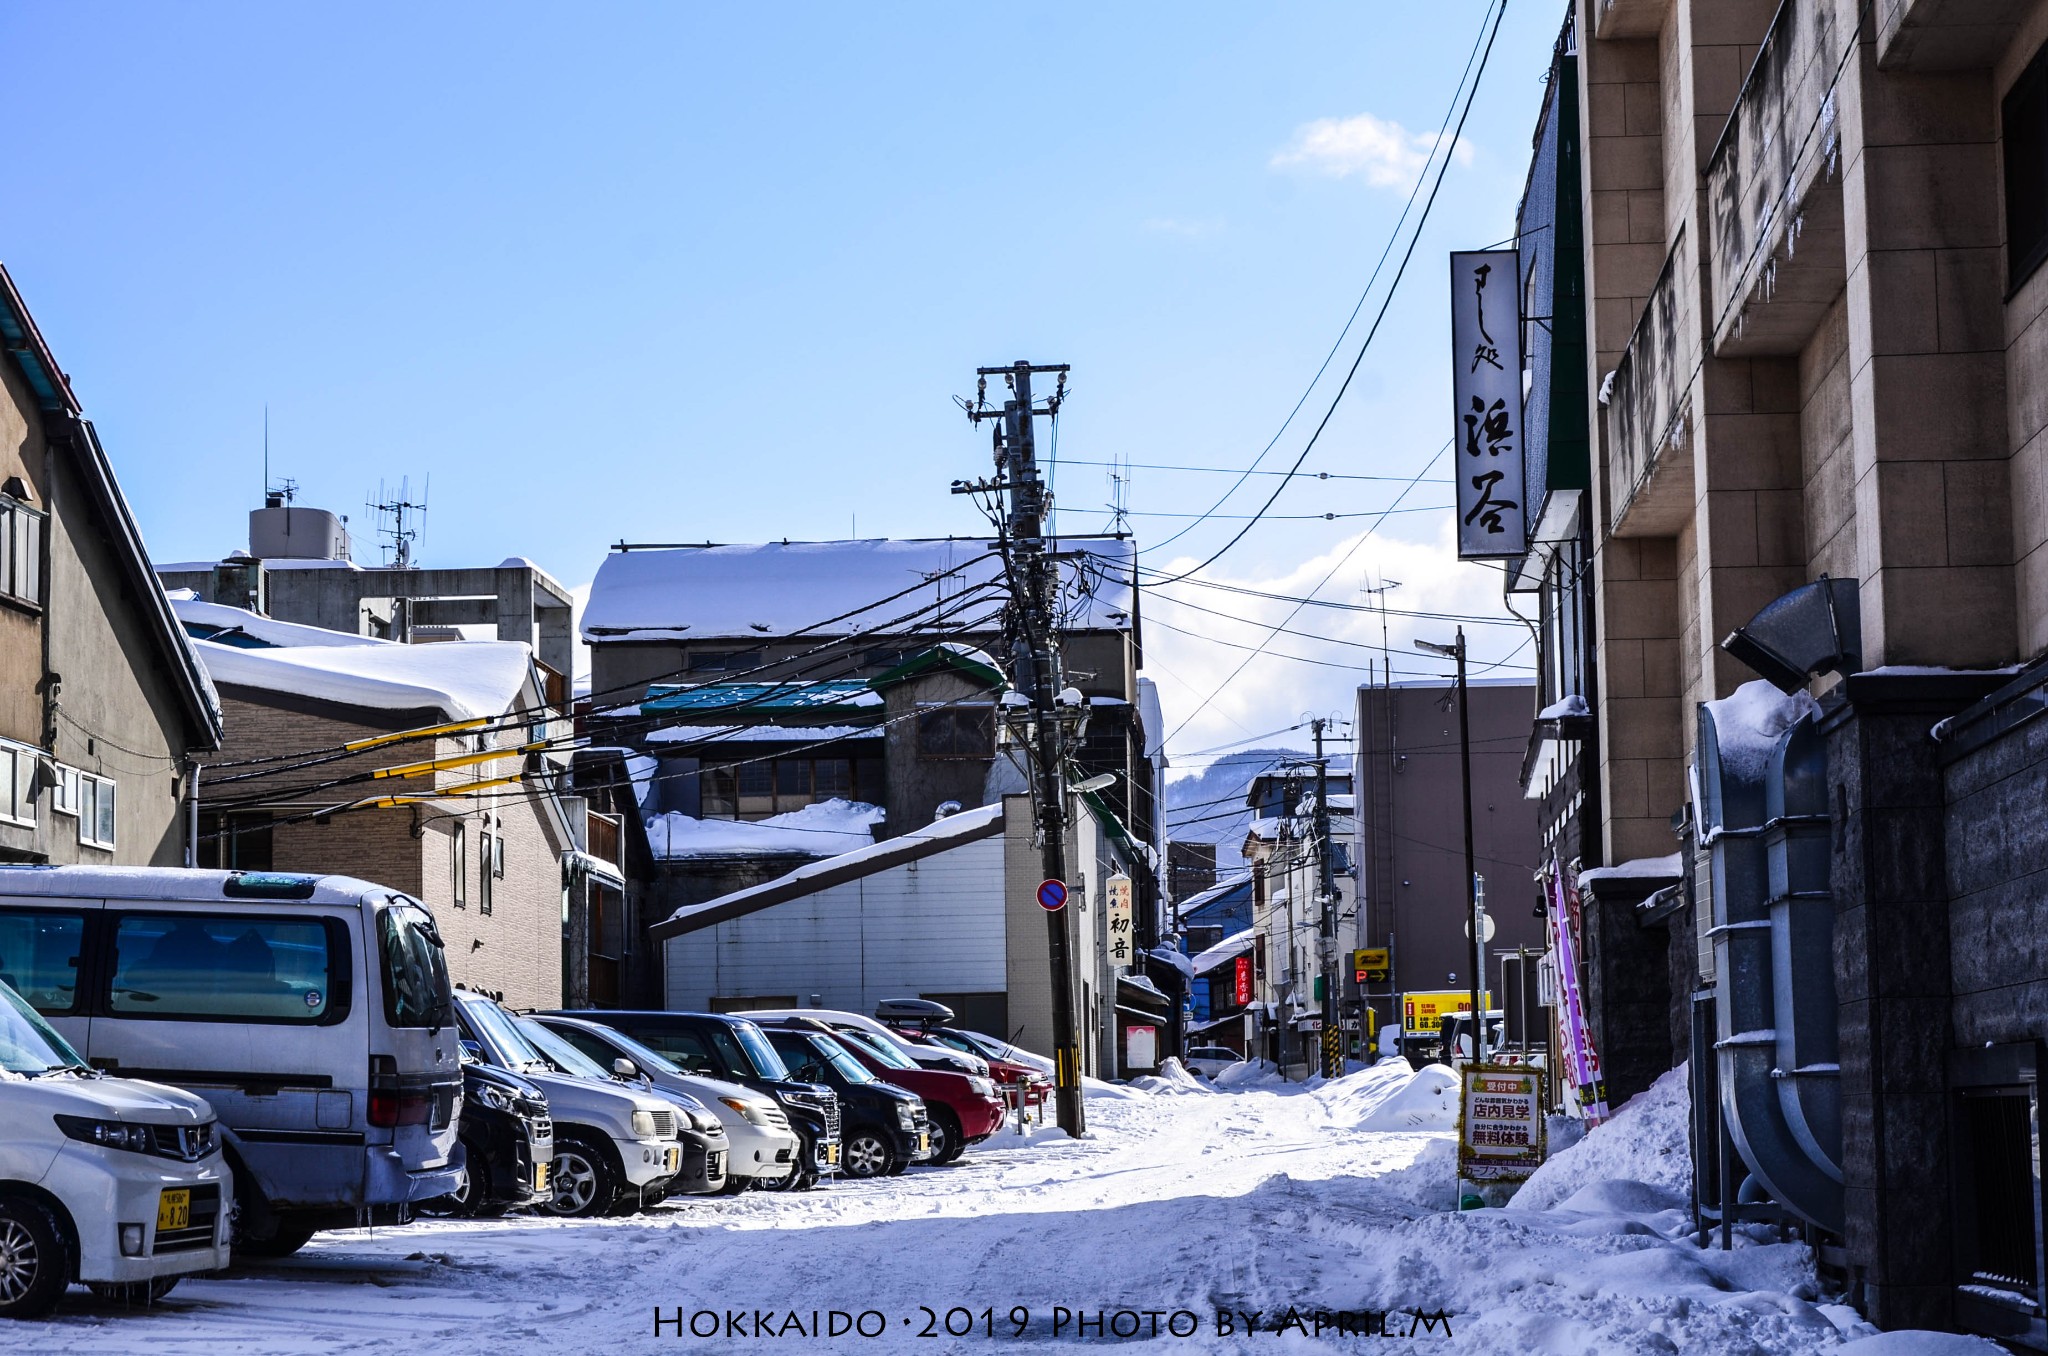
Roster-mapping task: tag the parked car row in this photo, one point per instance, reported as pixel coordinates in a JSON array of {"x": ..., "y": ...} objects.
[{"x": 195, "y": 1064}]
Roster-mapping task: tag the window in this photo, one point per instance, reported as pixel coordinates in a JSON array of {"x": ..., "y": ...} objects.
[
  {"x": 957, "y": 732},
  {"x": 240, "y": 841},
  {"x": 2023, "y": 123},
  {"x": 458, "y": 866},
  {"x": 211, "y": 967},
  {"x": 39, "y": 953},
  {"x": 96, "y": 810},
  {"x": 18, "y": 783},
  {"x": 486, "y": 866},
  {"x": 1997, "y": 1202},
  {"x": 757, "y": 790},
  {"x": 21, "y": 552},
  {"x": 416, "y": 991},
  {"x": 724, "y": 661},
  {"x": 498, "y": 851}
]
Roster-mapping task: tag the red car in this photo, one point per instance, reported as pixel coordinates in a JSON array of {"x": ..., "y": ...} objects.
[
  {"x": 963, "y": 1108},
  {"x": 1019, "y": 1080}
]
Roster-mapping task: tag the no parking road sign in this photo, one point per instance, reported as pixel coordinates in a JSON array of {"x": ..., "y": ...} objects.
[{"x": 1052, "y": 896}]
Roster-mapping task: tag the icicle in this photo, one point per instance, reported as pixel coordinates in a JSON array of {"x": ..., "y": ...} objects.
[{"x": 1830, "y": 134}]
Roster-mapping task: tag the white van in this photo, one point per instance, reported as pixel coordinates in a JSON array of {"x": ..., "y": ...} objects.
[
  {"x": 115, "y": 1183},
  {"x": 313, "y": 1012}
]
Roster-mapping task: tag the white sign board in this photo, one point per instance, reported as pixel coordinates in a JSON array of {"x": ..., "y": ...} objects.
[
  {"x": 1121, "y": 950},
  {"x": 1486, "y": 381},
  {"x": 1500, "y": 1122}
]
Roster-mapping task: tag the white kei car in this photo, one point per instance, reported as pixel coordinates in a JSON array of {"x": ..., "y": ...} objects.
[
  {"x": 110, "y": 1181},
  {"x": 1206, "y": 1061}
]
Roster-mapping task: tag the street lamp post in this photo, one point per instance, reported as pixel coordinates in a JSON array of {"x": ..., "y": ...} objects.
[{"x": 1457, "y": 652}]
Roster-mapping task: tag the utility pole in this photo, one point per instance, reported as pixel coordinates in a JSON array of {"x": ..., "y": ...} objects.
[
  {"x": 1457, "y": 652},
  {"x": 1326, "y": 896},
  {"x": 1035, "y": 664}
]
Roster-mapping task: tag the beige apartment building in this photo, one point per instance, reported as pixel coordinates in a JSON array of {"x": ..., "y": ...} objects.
[{"x": 1814, "y": 348}]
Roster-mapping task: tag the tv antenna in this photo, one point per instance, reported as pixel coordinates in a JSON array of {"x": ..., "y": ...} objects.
[{"x": 392, "y": 509}]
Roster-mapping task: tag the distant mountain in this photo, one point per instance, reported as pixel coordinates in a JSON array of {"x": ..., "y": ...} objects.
[{"x": 1209, "y": 807}]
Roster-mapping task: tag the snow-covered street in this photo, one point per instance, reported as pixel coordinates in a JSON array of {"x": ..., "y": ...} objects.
[{"x": 1254, "y": 1200}]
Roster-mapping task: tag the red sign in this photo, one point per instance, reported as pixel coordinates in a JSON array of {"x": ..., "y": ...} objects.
[{"x": 1244, "y": 980}]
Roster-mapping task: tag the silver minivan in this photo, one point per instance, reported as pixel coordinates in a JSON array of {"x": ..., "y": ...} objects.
[{"x": 313, "y": 1012}]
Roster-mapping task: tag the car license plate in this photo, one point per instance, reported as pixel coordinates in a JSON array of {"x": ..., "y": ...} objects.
[
  {"x": 832, "y": 1154},
  {"x": 174, "y": 1209},
  {"x": 924, "y": 1144},
  {"x": 672, "y": 1158},
  {"x": 540, "y": 1176}
]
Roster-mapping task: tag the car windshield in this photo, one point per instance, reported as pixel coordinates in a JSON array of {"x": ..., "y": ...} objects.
[
  {"x": 415, "y": 971},
  {"x": 559, "y": 1052},
  {"x": 760, "y": 1053},
  {"x": 836, "y": 1055},
  {"x": 885, "y": 1051},
  {"x": 989, "y": 1046},
  {"x": 28, "y": 1045},
  {"x": 495, "y": 1031}
]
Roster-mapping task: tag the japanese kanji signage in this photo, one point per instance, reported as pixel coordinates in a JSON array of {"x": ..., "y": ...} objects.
[
  {"x": 1500, "y": 1122},
  {"x": 1486, "y": 381},
  {"x": 1241, "y": 980},
  {"x": 1119, "y": 919}
]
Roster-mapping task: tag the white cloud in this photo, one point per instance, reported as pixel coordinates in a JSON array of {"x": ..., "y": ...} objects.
[
  {"x": 1382, "y": 151},
  {"x": 1274, "y": 691}
]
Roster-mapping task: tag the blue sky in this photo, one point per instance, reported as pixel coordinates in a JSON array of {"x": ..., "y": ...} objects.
[{"x": 673, "y": 272}]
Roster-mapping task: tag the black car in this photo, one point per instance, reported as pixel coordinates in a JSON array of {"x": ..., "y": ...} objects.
[
  {"x": 723, "y": 1046},
  {"x": 509, "y": 1142},
  {"x": 884, "y": 1129}
]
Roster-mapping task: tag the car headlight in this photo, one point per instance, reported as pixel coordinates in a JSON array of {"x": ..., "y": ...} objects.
[
  {"x": 746, "y": 1109},
  {"x": 982, "y": 1087},
  {"x": 188, "y": 1144},
  {"x": 905, "y": 1117},
  {"x": 643, "y": 1125},
  {"x": 495, "y": 1097}
]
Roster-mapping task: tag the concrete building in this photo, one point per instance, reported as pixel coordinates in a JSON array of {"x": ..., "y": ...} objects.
[
  {"x": 487, "y": 843},
  {"x": 102, "y": 701},
  {"x": 1300, "y": 877},
  {"x": 1812, "y": 311},
  {"x": 1409, "y": 840}
]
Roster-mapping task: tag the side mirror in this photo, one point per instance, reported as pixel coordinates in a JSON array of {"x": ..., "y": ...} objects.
[
  {"x": 474, "y": 1050},
  {"x": 625, "y": 1068}
]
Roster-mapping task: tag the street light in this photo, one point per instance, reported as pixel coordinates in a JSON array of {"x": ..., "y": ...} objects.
[{"x": 1457, "y": 652}]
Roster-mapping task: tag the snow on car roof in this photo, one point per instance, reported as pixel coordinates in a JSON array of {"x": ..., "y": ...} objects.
[{"x": 790, "y": 588}]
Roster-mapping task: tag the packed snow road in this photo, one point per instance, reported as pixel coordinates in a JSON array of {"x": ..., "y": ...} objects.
[{"x": 1264, "y": 1204}]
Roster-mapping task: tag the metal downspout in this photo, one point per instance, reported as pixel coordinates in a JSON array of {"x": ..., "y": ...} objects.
[
  {"x": 1796, "y": 826},
  {"x": 1732, "y": 816}
]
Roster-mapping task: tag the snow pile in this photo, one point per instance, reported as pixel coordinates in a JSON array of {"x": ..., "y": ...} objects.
[
  {"x": 1574, "y": 705},
  {"x": 1392, "y": 1096},
  {"x": 823, "y": 829},
  {"x": 1635, "y": 868},
  {"x": 1918, "y": 1342},
  {"x": 1644, "y": 1144},
  {"x": 1172, "y": 1079},
  {"x": 1749, "y": 721}
]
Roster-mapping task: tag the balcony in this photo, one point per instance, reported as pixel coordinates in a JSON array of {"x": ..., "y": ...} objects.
[
  {"x": 1649, "y": 413},
  {"x": 1775, "y": 254}
]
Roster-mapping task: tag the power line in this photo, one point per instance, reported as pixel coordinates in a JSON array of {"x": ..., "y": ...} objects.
[
  {"x": 1370, "y": 610},
  {"x": 1386, "y": 302},
  {"x": 1288, "y": 517},
  {"x": 1230, "y": 471}
]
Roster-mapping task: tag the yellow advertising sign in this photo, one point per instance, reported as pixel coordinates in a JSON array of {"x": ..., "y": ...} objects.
[
  {"x": 1371, "y": 964},
  {"x": 1500, "y": 1122},
  {"x": 1423, "y": 1011}
]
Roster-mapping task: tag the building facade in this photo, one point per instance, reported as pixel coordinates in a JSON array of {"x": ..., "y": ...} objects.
[
  {"x": 1799, "y": 815},
  {"x": 103, "y": 704}
]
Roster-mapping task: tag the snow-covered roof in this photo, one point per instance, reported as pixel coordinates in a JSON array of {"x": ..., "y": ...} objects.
[
  {"x": 192, "y": 613},
  {"x": 938, "y": 836},
  {"x": 835, "y": 588},
  {"x": 825, "y": 829},
  {"x": 1226, "y": 886},
  {"x": 463, "y": 679},
  {"x": 1636, "y": 868},
  {"x": 1236, "y": 944},
  {"x": 761, "y": 734}
]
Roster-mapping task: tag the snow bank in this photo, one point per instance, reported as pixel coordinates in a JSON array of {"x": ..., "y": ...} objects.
[
  {"x": 824, "y": 829},
  {"x": 1643, "y": 1145},
  {"x": 1749, "y": 720},
  {"x": 1392, "y": 1096},
  {"x": 1173, "y": 1079},
  {"x": 1095, "y": 1087},
  {"x": 1920, "y": 1342}
]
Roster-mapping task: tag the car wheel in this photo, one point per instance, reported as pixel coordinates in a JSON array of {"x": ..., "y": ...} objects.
[
  {"x": 133, "y": 1294},
  {"x": 735, "y": 1185},
  {"x": 34, "y": 1265},
  {"x": 867, "y": 1153},
  {"x": 288, "y": 1239},
  {"x": 948, "y": 1143},
  {"x": 583, "y": 1181},
  {"x": 469, "y": 1202}
]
